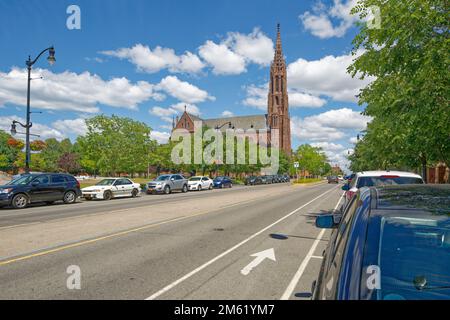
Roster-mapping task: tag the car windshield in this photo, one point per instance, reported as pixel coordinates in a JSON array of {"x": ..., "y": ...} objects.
[
  {"x": 163, "y": 178},
  {"x": 23, "y": 180},
  {"x": 106, "y": 182},
  {"x": 414, "y": 257},
  {"x": 386, "y": 181},
  {"x": 195, "y": 179}
]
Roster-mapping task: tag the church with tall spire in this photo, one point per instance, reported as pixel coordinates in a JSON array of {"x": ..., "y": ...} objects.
[
  {"x": 277, "y": 101},
  {"x": 277, "y": 116}
]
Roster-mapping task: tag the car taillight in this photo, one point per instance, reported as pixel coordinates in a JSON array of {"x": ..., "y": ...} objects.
[{"x": 78, "y": 184}]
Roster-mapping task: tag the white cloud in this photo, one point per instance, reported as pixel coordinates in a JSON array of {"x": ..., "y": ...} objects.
[
  {"x": 328, "y": 146},
  {"x": 328, "y": 126},
  {"x": 320, "y": 22},
  {"x": 76, "y": 126},
  {"x": 43, "y": 131},
  {"x": 255, "y": 47},
  {"x": 222, "y": 59},
  {"x": 160, "y": 137},
  {"x": 182, "y": 90},
  {"x": 167, "y": 114},
  {"x": 327, "y": 76},
  {"x": 298, "y": 99},
  {"x": 71, "y": 91},
  {"x": 306, "y": 130},
  {"x": 152, "y": 61},
  {"x": 257, "y": 97},
  {"x": 227, "y": 114}
]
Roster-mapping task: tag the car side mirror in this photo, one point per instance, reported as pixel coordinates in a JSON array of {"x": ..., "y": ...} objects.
[
  {"x": 346, "y": 187},
  {"x": 326, "y": 221},
  {"x": 172, "y": 179}
]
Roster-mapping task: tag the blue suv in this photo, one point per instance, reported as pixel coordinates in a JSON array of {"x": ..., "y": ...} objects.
[{"x": 43, "y": 187}]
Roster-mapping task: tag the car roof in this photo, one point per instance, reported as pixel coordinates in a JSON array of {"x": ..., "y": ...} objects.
[
  {"x": 426, "y": 199},
  {"x": 387, "y": 173}
]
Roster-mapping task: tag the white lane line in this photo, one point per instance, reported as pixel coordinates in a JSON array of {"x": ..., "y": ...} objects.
[
  {"x": 291, "y": 287},
  {"x": 203, "y": 266},
  {"x": 316, "y": 257}
]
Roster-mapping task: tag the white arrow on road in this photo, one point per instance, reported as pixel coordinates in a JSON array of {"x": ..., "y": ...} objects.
[{"x": 260, "y": 257}]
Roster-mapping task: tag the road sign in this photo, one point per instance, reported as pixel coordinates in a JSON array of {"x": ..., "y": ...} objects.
[{"x": 296, "y": 165}]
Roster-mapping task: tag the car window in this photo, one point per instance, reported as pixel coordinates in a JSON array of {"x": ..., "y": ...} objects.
[
  {"x": 414, "y": 256},
  {"x": 205, "y": 179},
  {"x": 386, "y": 181},
  {"x": 58, "y": 179},
  {"x": 178, "y": 177},
  {"x": 118, "y": 182},
  {"x": 42, "y": 179},
  {"x": 343, "y": 225},
  {"x": 126, "y": 182}
]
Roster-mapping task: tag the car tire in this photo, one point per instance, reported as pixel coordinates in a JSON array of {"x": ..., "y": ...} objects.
[
  {"x": 70, "y": 197},
  {"x": 199, "y": 188},
  {"x": 185, "y": 189},
  {"x": 107, "y": 195},
  {"x": 210, "y": 187},
  {"x": 134, "y": 193},
  {"x": 20, "y": 201},
  {"x": 167, "y": 190},
  {"x": 231, "y": 186}
]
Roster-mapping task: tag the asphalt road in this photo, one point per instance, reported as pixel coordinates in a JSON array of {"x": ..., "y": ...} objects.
[{"x": 200, "y": 248}]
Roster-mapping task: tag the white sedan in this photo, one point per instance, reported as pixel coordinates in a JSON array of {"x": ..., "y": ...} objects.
[
  {"x": 112, "y": 188},
  {"x": 200, "y": 183}
]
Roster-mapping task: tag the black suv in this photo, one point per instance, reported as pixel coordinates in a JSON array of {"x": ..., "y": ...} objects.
[{"x": 42, "y": 187}]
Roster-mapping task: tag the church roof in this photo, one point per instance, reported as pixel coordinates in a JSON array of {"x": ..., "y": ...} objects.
[{"x": 257, "y": 122}]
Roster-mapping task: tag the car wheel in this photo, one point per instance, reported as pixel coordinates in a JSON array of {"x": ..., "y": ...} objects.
[
  {"x": 19, "y": 201},
  {"x": 210, "y": 187},
  {"x": 107, "y": 195},
  {"x": 199, "y": 188},
  {"x": 231, "y": 186},
  {"x": 134, "y": 193},
  {"x": 185, "y": 189},
  {"x": 69, "y": 197},
  {"x": 166, "y": 189}
]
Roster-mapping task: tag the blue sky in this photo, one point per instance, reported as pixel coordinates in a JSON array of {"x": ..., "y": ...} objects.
[{"x": 146, "y": 59}]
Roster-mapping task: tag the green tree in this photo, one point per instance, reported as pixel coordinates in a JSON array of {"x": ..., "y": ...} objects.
[
  {"x": 8, "y": 153},
  {"x": 408, "y": 57},
  {"x": 115, "y": 144}
]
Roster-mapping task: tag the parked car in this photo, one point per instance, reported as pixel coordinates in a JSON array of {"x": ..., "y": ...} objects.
[
  {"x": 167, "y": 183},
  {"x": 41, "y": 187},
  {"x": 349, "y": 177},
  {"x": 379, "y": 178},
  {"x": 108, "y": 189},
  {"x": 250, "y": 180},
  {"x": 333, "y": 179},
  {"x": 222, "y": 182},
  {"x": 200, "y": 183},
  {"x": 389, "y": 243},
  {"x": 266, "y": 179},
  {"x": 287, "y": 178}
]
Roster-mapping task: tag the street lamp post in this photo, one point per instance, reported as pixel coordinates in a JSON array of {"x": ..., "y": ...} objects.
[{"x": 51, "y": 60}]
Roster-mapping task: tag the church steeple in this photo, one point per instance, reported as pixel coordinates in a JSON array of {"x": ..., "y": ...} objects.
[{"x": 278, "y": 104}]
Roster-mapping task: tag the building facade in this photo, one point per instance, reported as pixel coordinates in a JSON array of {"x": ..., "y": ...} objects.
[{"x": 277, "y": 116}]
